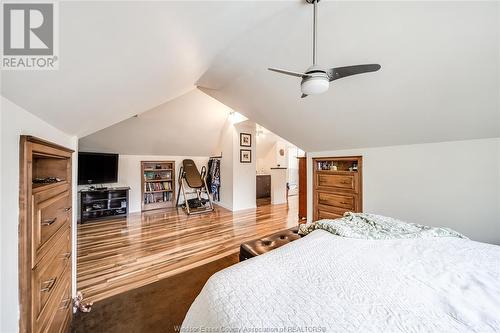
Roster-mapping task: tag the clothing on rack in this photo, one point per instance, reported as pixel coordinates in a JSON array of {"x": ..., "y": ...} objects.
[{"x": 213, "y": 178}]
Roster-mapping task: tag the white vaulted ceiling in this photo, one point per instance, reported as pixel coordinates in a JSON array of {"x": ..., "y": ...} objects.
[
  {"x": 439, "y": 79},
  {"x": 440, "y": 76},
  {"x": 120, "y": 58},
  {"x": 187, "y": 125}
]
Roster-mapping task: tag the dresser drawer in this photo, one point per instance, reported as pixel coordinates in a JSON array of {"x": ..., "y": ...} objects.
[
  {"x": 51, "y": 211},
  {"x": 328, "y": 214},
  {"x": 48, "y": 274},
  {"x": 346, "y": 182},
  {"x": 62, "y": 309},
  {"x": 55, "y": 317},
  {"x": 337, "y": 200}
]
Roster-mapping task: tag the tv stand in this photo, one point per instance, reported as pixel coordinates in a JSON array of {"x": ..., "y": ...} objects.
[
  {"x": 95, "y": 188},
  {"x": 103, "y": 203}
]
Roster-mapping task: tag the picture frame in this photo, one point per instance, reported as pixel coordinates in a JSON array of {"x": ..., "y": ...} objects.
[
  {"x": 245, "y": 156},
  {"x": 245, "y": 140}
]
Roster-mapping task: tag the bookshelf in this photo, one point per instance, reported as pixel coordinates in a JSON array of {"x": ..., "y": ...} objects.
[{"x": 157, "y": 184}]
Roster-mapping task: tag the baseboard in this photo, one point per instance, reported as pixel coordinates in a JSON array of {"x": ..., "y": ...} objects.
[
  {"x": 220, "y": 204},
  {"x": 231, "y": 208}
]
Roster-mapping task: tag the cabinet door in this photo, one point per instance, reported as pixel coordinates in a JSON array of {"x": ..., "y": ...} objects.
[
  {"x": 267, "y": 186},
  {"x": 263, "y": 184}
]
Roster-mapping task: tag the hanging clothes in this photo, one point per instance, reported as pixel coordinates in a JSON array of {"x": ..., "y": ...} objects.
[
  {"x": 213, "y": 178},
  {"x": 209, "y": 174}
]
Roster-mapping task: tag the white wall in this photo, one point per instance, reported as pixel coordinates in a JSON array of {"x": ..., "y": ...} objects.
[
  {"x": 293, "y": 170},
  {"x": 265, "y": 159},
  {"x": 225, "y": 148},
  {"x": 244, "y": 175},
  {"x": 454, "y": 184},
  {"x": 268, "y": 156},
  {"x": 16, "y": 121},
  {"x": 268, "y": 146},
  {"x": 129, "y": 174},
  {"x": 238, "y": 180}
]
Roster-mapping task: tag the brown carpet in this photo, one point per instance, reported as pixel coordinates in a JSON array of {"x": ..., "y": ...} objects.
[{"x": 157, "y": 307}]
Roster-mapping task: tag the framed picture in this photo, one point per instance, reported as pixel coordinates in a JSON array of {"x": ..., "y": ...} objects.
[
  {"x": 245, "y": 140},
  {"x": 245, "y": 156}
]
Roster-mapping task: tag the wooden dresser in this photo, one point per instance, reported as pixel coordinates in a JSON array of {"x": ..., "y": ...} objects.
[
  {"x": 337, "y": 186},
  {"x": 45, "y": 236}
]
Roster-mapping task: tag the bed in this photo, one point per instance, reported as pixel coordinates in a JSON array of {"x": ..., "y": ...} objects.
[{"x": 330, "y": 283}]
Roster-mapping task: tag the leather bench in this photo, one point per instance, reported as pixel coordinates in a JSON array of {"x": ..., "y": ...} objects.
[{"x": 265, "y": 244}]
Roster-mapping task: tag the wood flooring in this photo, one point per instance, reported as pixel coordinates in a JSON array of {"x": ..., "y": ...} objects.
[
  {"x": 119, "y": 255},
  {"x": 158, "y": 307},
  {"x": 263, "y": 201}
]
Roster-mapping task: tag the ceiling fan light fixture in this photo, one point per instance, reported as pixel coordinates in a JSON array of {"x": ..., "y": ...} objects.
[
  {"x": 316, "y": 79},
  {"x": 314, "y": 85}
]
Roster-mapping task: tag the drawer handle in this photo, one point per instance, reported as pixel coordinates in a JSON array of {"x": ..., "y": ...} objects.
[
  {"x": 345, "y": 203},
  {"x": 66, "y": 255},
  {"x": 344, "y": 182},
  {"x": 49, "y": 221},
  {"x": 48, "y": 285},
  {"x": 67, "y": 209},
  {"x": 65, "y": 303}
]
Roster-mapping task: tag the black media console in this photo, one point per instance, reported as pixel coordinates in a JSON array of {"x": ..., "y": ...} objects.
[{"x": 101, "y": 204}]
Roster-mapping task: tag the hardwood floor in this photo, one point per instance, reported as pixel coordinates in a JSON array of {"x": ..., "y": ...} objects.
[
  {"x": 119, "y": 255},
  {"x": 263, "y": 201},
  {"x": 158, "y": 307}
]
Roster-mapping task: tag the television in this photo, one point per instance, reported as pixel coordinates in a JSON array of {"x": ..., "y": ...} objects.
[{"x": 97, "y": 168}]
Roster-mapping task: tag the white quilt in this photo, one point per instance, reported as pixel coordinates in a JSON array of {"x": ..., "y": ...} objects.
[{"x": 326, "y": 283}]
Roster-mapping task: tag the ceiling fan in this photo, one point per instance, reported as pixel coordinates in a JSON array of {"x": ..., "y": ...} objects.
[{"x": 316, "y": 80}]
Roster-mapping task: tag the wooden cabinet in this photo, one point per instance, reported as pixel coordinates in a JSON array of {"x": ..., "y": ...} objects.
[
  {"x": 337, "y": 186},
  {"x": 302, "y": 189},
  {"x": 263, "y": 184},
  {"x": 45, "y": 249}
]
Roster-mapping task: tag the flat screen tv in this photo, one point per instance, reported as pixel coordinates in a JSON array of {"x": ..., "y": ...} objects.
[{"x": 97, "y": 168}]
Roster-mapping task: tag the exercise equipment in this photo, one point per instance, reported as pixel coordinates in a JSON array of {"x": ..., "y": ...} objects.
[{"x": 190, "y": 177}]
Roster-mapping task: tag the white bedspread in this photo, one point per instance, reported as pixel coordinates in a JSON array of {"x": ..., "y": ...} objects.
[{"x": 334, "y": 284}]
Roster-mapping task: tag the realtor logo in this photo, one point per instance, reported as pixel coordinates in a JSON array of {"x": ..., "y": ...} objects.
[{"x": 29, "y": 36}]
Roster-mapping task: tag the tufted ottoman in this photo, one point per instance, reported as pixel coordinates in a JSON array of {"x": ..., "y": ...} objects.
[{"x": 262, "y": 245}]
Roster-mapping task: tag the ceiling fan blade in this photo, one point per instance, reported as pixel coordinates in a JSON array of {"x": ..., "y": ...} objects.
[
  {"x": 303, "y": 96},
  {"x": 282, "y": 71},
  {"x": 340, "y": 72}
]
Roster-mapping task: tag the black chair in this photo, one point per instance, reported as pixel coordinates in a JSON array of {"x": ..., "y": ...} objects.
[{"x": 190, "y": 177}]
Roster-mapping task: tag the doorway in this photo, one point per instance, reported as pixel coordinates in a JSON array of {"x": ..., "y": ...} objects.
[{"x": 276, "y": 168}]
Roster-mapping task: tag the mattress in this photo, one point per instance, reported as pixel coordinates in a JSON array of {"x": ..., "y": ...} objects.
[{"x": 327, "y": 283}]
